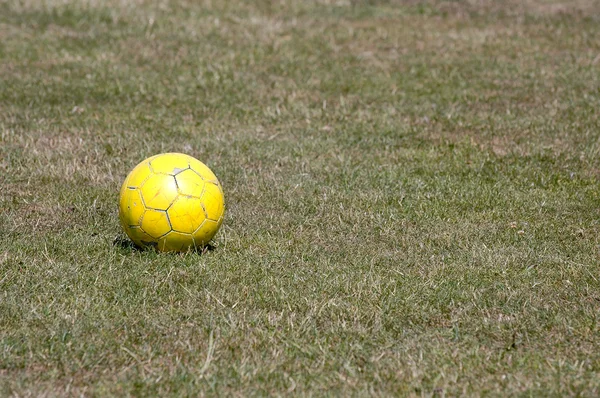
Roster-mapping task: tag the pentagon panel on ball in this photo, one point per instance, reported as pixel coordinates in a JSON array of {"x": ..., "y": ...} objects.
[
  {"x": 189, "y": 183},
  {"x": 159, "y": 191},
  {"x": 156, "y": 223},
  {"x": 172, "y": 202},
  {"x": 186, "y": 214}
]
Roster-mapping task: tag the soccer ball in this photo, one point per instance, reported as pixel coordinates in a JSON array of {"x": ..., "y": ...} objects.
[{"x": 172, "y": 202}]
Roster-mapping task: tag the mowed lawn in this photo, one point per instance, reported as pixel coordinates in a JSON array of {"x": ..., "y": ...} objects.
[{"x": 412, "y": 189}]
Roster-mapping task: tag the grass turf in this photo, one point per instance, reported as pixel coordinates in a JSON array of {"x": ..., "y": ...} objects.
[{"x": 412, "y": 191}]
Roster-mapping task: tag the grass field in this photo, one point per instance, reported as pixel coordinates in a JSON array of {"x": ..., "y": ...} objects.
[{"x": 412, "y": 188}]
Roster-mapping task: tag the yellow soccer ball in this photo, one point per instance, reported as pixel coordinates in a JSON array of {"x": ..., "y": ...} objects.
[{"x": 172, "y": 202}]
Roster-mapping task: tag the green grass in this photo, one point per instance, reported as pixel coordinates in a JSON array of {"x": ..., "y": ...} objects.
[{"x": 412, "y": 191}]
